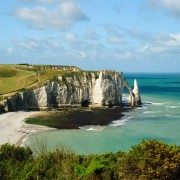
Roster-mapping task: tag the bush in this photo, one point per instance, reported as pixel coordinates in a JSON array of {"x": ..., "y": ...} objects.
[
  {"x": 151, "y": 160},
  {"x": 97, "y": 167},
  {"x": 147, "y": 160},
  {"x": 12, "y": 160},
  {"x": 11, "y": 152}
]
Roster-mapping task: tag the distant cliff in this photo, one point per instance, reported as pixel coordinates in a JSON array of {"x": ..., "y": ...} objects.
[{"x": 99, "y": 87}]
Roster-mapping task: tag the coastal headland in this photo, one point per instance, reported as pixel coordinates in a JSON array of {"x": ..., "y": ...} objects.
[
  {"x": 62, "y": 97},
  {"x": 44, "y": 87}
]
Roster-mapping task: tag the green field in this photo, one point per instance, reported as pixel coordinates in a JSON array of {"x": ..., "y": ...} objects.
[{"x": 14, "y": 78}]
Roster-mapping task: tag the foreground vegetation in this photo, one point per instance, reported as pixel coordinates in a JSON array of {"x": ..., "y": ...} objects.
[
  {"x": 147, "y": 160},
  {"x": 73, "y": 118}
]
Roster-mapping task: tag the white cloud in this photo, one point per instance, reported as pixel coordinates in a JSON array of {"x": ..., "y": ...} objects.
[
  {"x": 115, "y": 34},
  {"x": 38, "y": 45},
  {"x": 173, "y": 6},
  {"x": 76, "y": 42},
  {"x": 167, "y": 43},
  {"x": 115, "y": 40},
  {"x": 139, "y": 45},
  {"x": 61, "y": 18},
  {"x": 82, "y": 54},
  {"x": 40, "y": 1},
  {"x": 91, "y": 34},
  {"x": 144, "y": 48},
  {"x": 9, "y": 50},
  {"x": 71, "y": 39}
]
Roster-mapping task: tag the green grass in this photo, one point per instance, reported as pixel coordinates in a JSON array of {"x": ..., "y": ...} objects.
[
  {"x": 7, "y": 72},
  {"x": 14, "y": 78}
]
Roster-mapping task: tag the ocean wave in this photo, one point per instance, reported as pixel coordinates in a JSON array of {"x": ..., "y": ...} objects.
[
  {"x": 155, "y": 103},
  {"x": 168, "y": 115},
  {"x": 172, "y": 107},
  {"x": 96, "y": 128},
  {"x": 143, "y": 107},
  {"x": 158, "y": 103},
  {"x": 147, "y": 102},
  {"x": 91, "y": 129},
  {"x": 25, "y": 141},
  {"x": 120, "y": 122},
  {"x": 149, "y": 112}
]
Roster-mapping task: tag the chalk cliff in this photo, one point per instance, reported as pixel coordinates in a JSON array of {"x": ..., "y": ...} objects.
[
  {"x": 134, "y": 97},
  {"x": 99, "y": 88}
]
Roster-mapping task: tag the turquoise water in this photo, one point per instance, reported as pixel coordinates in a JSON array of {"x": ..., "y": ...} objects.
[{"x": 159, "y": 118}]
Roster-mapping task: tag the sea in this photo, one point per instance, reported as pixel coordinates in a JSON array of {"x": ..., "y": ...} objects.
[{"x": 158, "y": 118}]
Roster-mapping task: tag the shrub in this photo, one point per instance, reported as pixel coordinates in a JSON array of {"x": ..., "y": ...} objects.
[
  {"x": 97, "y": 167},
  {"x": 147, "y": 160},
  {"x": 11, "y": 152},
  {"x": 151, "y": 160},
  {"x": 12, "y": 160}
]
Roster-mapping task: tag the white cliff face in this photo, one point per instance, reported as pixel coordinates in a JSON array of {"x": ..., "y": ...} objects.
[
  {"x": 97, "y": 95},
  {"x": 41, "y": 96},
  {"x": 99, "y": 88},
  {"x": 134, "y": 97},
  {"x": 136, "y": 89},
  {"x": 108, "y": 89}
]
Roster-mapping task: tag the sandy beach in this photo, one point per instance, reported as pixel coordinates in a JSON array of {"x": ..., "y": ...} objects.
[{"x": 13, "y": 129}]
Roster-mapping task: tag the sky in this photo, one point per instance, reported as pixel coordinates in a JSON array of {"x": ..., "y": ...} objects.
[{"x": 127, "y": 35}]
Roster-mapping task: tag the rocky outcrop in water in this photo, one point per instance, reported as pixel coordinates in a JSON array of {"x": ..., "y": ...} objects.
[{"x": 134, "y": 97}]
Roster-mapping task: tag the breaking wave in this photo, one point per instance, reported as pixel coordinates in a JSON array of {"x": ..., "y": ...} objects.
[
  {"x": 120, "y": 122},
  {"x": 149, "y": 112},
  {"x": 172, "y": 107},
  {"x": 175, "y": 116},
  {"x": 155, "y": 103},
  {"x": 95, "y": 128},
  {"x": 158, "y": 104}
]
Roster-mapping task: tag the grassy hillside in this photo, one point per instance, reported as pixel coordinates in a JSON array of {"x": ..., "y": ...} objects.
[
  {"x": 147, "y": 160},
  {"x": 15, "y": 78}
]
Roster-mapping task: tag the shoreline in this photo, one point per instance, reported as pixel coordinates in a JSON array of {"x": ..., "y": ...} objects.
[{"x": 13, "y": 128}]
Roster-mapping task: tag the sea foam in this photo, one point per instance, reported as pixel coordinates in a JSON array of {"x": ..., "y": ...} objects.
[
  {"x": 157, "y": 103},
  {"x": 175, "y": 116},
  {"x": 120, "y": 122},
  {"x": 149, "y": 112},
  {"x": 96, "y": 128},
  {"x": 172, "y": 107}
]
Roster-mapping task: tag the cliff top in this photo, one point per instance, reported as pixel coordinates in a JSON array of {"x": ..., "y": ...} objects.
[{"x": 19, "y": 77}]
